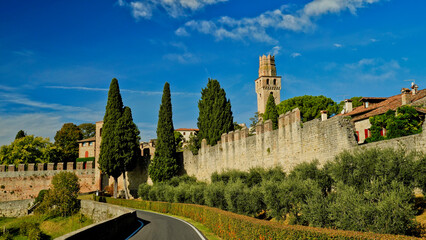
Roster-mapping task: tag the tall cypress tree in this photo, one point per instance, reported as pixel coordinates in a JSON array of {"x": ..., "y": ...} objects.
[
  {"x": 128, "y": 140},
  {"x": 109, "y": 158},
  {"x": 215, "y": 114},
  {"x": 164, "y": 165},
  {"x": 271, "y": 112}
]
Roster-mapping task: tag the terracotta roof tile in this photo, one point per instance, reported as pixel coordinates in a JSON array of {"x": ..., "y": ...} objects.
[
  {"x": 87, "y": 139},
  {"x": 187, "y": 129}
]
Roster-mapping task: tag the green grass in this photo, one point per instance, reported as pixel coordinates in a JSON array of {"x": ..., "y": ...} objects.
[{"x": 50, "y": 227}]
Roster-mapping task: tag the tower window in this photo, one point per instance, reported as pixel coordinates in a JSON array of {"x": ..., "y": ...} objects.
[
  {"x": 275, "y": 81},
  {"x": 272, "y": 93},
  {"x": 267, "y": 81}
]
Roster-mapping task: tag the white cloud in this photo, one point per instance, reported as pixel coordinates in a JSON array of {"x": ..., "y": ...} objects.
[
  {"x": 295, "y": 55},
  {"x": 184, "y": 58},
  {"x": 338, "y": 45},
  {"x": 255, "y": 28},
  {"x": 372, "y": 69},
  {"x": 373, "y": 40},
  {"x": 174, "y": 8},
  {"x": 275, "y": 50}
]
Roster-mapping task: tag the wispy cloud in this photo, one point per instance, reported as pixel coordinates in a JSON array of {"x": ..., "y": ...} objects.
[
  {"x": 37, "y": 124},
  {"x": 295, "y": 55},
  {"x": 275, "y": 50},
  {"x": 372, "y": 70},
  {"x": 338, "y": 45},
  {"x": 24, "y": 52},
  {"x": 6, "y": 88},
  {"x": 174, "y": 8},
  {"x": 256, "y": 28},
  {"x": 184, "y": 58}
]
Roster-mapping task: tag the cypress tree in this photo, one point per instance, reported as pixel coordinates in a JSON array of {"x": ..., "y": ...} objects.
[
  {"x": 128, "y": 140},
  {"x": 109, "y": 158},
  {"x": 271, "y": 112},
  {"x": 164, "y": 165},
  {"x": 20, "y": 134},
  {"x": 215, "y": 114}
]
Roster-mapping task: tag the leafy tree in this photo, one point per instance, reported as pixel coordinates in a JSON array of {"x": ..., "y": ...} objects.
[
  {"x": 164, "y": 165},
  {"x": 62, "y": 199},
  {"x": 254, "y": 121},
  {"x": 194, "y": 144},
  {"x": 128, "y": 144},
  {"x": 407, "y": 121},
  {"x": 29, "y": 149},
  {"x": 215, "y": 115},
  {"x": 87, "y": 129},
  {"x": 355, "y": 103},
  {"x": 310, "y": 106},
  {"x": 20, "y": 134},
  {"x": 271, "y": 112},
  {"x": 66, "y": 139},
  {"x": 178, "y": 140},
  {"x": 109, "y": 158}
]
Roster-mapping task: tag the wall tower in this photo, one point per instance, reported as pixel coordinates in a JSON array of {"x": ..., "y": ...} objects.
[{"x": 267, "y": 83}]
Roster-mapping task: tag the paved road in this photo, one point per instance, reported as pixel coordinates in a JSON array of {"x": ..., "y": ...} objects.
[{"x": 158, "y": 227}]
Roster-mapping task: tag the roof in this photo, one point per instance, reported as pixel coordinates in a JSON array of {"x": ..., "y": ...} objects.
[
  {"x": 373, "y": 99},
  {"x": 187, "y": 129},
  {"x": 391, "y": 103},
  {"x": 92, "y": 139}
]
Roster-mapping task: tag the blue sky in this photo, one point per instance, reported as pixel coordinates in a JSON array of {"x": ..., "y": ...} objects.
[{"x": 57, "y": 58}]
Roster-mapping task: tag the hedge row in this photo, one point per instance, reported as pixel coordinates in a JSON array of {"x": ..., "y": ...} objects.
[{"x": 229, "y": 225}]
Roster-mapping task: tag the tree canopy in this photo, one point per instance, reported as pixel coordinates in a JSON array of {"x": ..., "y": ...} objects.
[
  {"x": 355, "y": 103},
  {"x": 310, "y": 106},
  {"x": 215, "y": 114},
  {"x": 66, "y": 139},
  {"x": 271, "y": 112},
  {"x": 87, "y": 129},
  {"x": 164, "y": 165},
  {"x": 20, "y": 134},
  {"x": 29, "y": 149}
]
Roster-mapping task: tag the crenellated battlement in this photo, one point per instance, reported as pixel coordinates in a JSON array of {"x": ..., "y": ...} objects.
[{"x": 31, "y": 167}]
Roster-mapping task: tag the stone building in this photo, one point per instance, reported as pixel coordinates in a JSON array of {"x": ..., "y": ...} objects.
[
  {"x": 267, "y": 83},
  {"x": 86, "y": 147},
  {"x": 373, "y": 106},
  {"x": 187, "y": 133}
]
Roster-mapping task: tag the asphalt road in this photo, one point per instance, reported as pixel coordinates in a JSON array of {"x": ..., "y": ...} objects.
[{"x": 158, "y": 227}]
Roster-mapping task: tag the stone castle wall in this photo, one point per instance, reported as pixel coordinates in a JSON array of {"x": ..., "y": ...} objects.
[
  {"x": 26, "y": 181},
  {"x": 292, "y": 143}
]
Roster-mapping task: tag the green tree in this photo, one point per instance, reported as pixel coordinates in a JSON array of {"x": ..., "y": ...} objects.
[
  {"x": 310, "y": 106},
  {"x": 87, "y": 129},
  {"x": 66, "y": 139},
  {"x": 178, "y": 140},
  {"x": 164, "y": 165},
  {"x": 215, "y": 115},
  {"x": 62, "y": 198},
  {"x": 109, "y": 158},
  {"x": 271, "y": 112},
  {"x": 20, "y": 134},
  {"x": 29, "y": 149},
  {"x": 128, "y": 144},
  {"x": 355, "y": 103},
  {"x": 254, "y": 121}
]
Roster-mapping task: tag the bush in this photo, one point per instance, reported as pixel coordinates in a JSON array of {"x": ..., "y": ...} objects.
[
  {"x": 175, "y": 181},
  {"x": 143, "y": 191},
  {"x": 41, "y": 196},
  {"x": 62, "y": 198},
  {"x": 182, "y": 194},
  {"x": 215, "y": 195},
  {"x": 196, "y": 191}
]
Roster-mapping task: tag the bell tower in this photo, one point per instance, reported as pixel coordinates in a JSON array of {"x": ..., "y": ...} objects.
[{"x": 267, "y": 83}]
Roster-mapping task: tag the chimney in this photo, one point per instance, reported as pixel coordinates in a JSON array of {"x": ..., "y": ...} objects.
[
  {"x": 414, "y": 88},
  {"x": 324, "y": 115},
  {"x": 348, "y": 105},
  {"x": 405, "y": 96}
]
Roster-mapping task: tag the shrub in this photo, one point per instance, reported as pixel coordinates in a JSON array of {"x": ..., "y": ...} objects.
[
  {"x": 143, "y": 191},
  {"x": 175, "y": 181},
  {"x": 196, "y": 191},
  {"x": 182, "y": 194},
  {"x": 214, "y": 195},
  {"x": 41, "y": 196},
  {"x": 62, "y": 198}
]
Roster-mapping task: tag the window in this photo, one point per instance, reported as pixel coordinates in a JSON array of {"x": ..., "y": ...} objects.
[
  {"x": 86, "y": 154},
  {"x": 275, "y": 81},
  {"x": 100, "y": 132},
  {"x": 91, "y": 144},
  {"x": 267, "y": 81},
  {"x": 366, "y": 133},
  {"x": 357, "y": 136},
  {"x": 84, "y": 144},
  {"x": 184, "y": 133},
  {"x": 366, "y": 104}
]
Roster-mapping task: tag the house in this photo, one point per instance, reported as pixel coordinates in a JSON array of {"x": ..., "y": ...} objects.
[
  {"x": 86, "y": 147},
  {"x": 187, "y": 133},
  {"x": 373, "y": 106}
]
